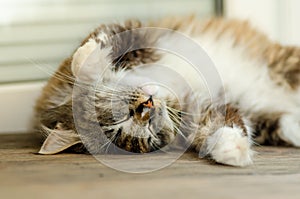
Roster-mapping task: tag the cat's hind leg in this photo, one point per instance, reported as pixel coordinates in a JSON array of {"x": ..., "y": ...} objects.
[
  {"x": 290, "y": 127},
  {"x": 224, "y": 137},
  {"x": 277, "y": 129}
]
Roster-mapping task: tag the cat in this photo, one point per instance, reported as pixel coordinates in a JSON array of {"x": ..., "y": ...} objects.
[{"x": 261, "y": 81}]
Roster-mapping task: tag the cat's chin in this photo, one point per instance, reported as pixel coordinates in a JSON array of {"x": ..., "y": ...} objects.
[{"x": 134, "y": 137}]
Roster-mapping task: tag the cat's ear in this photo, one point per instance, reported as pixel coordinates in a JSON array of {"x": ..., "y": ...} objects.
[
  {"x": 59, "y": 140},
  {"x": 90, "y": 62}
]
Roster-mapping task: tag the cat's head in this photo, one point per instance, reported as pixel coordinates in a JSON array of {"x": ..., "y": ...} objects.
[
  {"x": 130, "y": 111},
  {"x": 131, "y": 115},
  {"x": 132, "y": 119}
]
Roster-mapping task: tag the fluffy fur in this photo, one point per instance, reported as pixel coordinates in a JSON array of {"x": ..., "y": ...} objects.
[{"x": 261, "y": 80}]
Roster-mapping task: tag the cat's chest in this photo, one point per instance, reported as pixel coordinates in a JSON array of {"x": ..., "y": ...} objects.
[{"x": 167, "y": 82}]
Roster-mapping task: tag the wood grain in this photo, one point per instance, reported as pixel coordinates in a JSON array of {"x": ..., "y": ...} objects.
[{"x": 24, "y": 174}]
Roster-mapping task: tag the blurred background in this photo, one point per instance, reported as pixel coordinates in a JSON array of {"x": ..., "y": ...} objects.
[
  {"x": 36, "y": 35},
  {"x": 44, "y": 32}
]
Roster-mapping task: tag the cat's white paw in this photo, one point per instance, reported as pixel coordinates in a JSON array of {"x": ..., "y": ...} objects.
[
  {"x": 290, "y": 128},
  {"x": 229, "y": 146},
  {"x": 89, "y": 61}
]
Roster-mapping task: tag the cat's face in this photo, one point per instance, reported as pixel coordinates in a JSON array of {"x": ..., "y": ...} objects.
[
  {"x": 134, "y": 120},
  {"x": 132, "y": 116}
]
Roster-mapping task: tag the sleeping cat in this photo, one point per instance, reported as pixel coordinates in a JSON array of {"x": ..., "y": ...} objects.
[{"x": 260, "y": 82}]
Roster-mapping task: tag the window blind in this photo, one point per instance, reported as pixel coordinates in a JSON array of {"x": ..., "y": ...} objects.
[{"x": 36, "y": 35}]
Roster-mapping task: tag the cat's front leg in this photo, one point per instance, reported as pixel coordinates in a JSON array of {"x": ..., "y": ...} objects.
[{"x": 224, "y": 136}]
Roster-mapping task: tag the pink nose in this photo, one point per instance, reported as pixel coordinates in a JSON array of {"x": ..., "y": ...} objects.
[{"x": 150, "y": 89}]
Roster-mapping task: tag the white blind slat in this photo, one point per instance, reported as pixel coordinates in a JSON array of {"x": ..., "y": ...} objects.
[
  {"x": 46, "y": 51},
  {"x": 47, "y": 31},
  {"x": 15, "y": 35}
]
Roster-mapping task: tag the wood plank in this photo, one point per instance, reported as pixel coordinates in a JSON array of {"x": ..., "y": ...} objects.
[{"x": 23, "y": 174}]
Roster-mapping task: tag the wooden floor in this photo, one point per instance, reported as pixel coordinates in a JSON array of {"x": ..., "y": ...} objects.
[{"x": 24, "y": 174}]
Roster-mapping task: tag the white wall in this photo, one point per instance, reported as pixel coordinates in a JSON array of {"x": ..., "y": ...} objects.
[
  {"x": 290, "y": 24},
  {"x": 278, "y": 18},
  {"x": 16, "y": 106}
]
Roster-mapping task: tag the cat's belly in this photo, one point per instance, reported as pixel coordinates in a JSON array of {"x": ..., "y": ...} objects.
[{"x": 246, "y": 80}]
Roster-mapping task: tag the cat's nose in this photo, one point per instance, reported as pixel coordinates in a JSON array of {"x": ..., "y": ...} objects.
[
  {"x": 146, "y": 109},
  {"x": 150, "y": 89},
  {"x": 149, "y": 103}
]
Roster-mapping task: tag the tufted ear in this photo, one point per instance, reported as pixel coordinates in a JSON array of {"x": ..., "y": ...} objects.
[
  {"x": 90, "y": 61},
  {"x": 59, "y": 140}
]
